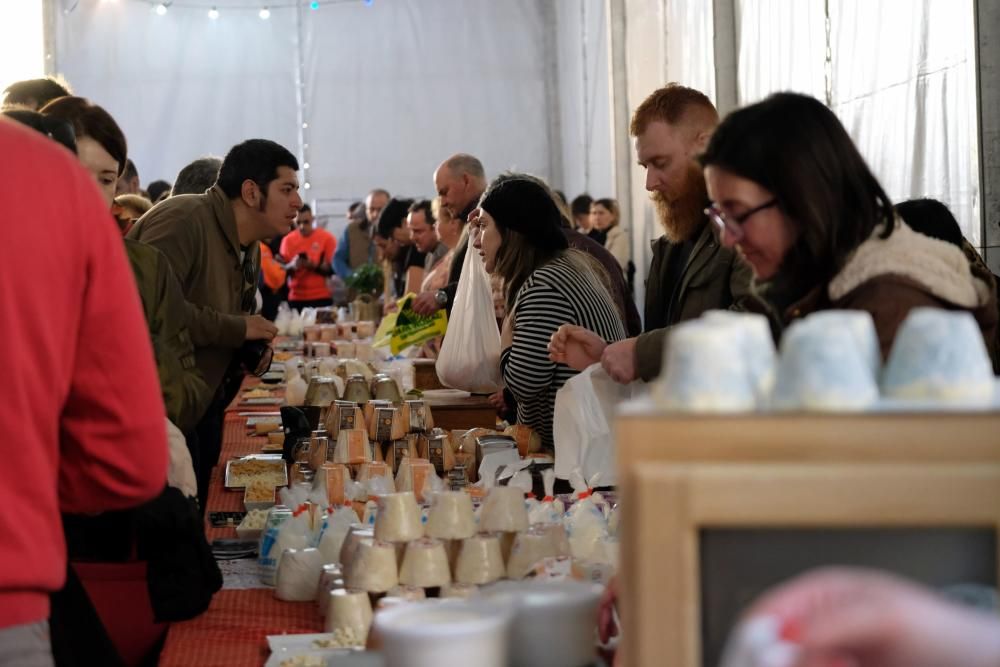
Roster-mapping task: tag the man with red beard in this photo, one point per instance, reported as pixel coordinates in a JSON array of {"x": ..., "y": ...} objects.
[{"x": 690, "y": 272}]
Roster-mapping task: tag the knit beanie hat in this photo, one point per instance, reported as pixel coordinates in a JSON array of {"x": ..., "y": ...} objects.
[{"x": 523, "y": 204}]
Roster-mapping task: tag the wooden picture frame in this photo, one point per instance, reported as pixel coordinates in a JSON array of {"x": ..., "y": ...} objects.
[
  {"x": 653, "y": 447},
  {"x": 669, "y": 504}
]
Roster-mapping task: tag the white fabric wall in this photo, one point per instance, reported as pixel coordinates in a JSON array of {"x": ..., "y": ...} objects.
[
  {"x": 388, "y": 90},
  {"x": 902, "y": 80},
  {"x": 181, "y": 86},
  {"x": 782, "y": 46},
  {"x": 914, "y": 115},
  {"x": 584, "y": 89}
]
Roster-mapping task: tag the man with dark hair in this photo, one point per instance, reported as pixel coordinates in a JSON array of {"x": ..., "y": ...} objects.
[
  {"x": 691, "y": 272},
  {"x": 128, "y": 182},
  {"x": 356, "y": 247},
  {"x": 211, "y": 240},
  {"x": 158, "y": 189},
  {"x": 197, "y": 176},
  {"x": 308, "y": 251},
  {"x": 459, "y": 181},
  {"x": 420, "y": 223},
  {"x": 580, "y": 210},
  {"x": 33, "y": 94},
  {"x": 393, "y": 241}
]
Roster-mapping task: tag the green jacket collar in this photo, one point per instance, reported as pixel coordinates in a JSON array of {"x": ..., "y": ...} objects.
[{"x": 225, "y": 217}]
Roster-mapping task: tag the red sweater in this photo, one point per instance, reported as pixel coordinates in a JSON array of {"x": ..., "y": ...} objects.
[{"x": 81, "y": 415}]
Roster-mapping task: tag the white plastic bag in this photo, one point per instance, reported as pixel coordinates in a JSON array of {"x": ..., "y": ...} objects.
[
  {"x": 470, "y": 354},
  {"x": 581, "y": 424}
]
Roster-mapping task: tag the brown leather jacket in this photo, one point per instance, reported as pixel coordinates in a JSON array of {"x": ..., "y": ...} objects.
[{"x": 890, "y": 277}]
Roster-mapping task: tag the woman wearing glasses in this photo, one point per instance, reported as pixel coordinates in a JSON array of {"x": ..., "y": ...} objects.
[{"x": 791, "y": 192}]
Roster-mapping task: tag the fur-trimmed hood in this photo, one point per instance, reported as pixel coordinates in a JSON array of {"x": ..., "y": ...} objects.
[{"x": 938, "y": 266}]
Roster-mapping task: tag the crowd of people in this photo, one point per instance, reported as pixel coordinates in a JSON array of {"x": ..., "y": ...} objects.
[{"x": 772, "y": 210}]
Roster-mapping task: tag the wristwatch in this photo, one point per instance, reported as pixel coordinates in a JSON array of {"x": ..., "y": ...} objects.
[{"x": 441, "y": 297}]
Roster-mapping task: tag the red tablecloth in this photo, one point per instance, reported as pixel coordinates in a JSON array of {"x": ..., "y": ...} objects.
[
  {"x": 236, "y": 442},
  {"x": 233, "y": 632}
]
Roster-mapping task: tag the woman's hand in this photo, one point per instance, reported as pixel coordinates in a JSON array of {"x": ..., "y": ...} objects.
[
  {"x": 498, "y": 402},
  {"x": 865, "y": 618},
  {"x": 576, "y": 347}
]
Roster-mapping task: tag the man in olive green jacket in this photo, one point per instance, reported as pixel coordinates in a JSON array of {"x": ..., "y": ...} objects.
[
  {"x": 185, "y": 394},
  {"x": 212, "y": 243},
  {"x": 690, "y": 272}
]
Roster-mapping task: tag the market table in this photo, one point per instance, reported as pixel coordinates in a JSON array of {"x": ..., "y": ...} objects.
[{"x": 233, "y": 630}]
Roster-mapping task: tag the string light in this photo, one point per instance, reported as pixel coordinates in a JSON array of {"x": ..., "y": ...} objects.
[{"x": 213, "y": 13}]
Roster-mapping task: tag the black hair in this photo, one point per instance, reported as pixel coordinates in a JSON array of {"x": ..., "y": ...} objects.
[
  {"x": 256, "y": 160},
  {"x": 795, "y": 147},
  {"x": 157, "y": 188},
  {"x": 392, "y": 216},
  {"x": 529, "y": 222},
  {"x": 54, "y": 128},
  {"x": 581, "y": 205},
  {"x": 305, "y": 208},
  {"x": 197, "y": 176},
  {"x": 931, "y": 218}
]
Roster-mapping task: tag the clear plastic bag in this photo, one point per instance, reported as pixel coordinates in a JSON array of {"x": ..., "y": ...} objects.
[
  {"x": 585, "y": 523},
  {"x": 546, "y": 510},
  {"x": 470, "y": 354},
  {"x": 338, "y": 522}
]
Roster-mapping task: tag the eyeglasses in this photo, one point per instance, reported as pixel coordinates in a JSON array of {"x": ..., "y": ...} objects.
[{"x": 734, "y": 224}]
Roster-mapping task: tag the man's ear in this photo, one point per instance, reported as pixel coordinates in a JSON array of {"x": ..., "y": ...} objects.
[
  {"x": 250, "y": 193},
  {"x": 701, "y": 141}
]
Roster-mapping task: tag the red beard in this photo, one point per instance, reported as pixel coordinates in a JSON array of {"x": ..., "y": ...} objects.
[{"x": 684, "y": 215}]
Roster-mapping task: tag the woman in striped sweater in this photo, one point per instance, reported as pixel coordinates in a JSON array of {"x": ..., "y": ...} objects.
[{"x": 517, "y": 231}]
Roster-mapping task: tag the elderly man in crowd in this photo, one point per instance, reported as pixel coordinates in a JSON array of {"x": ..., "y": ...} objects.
[{"x": 460, "y": 181}]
